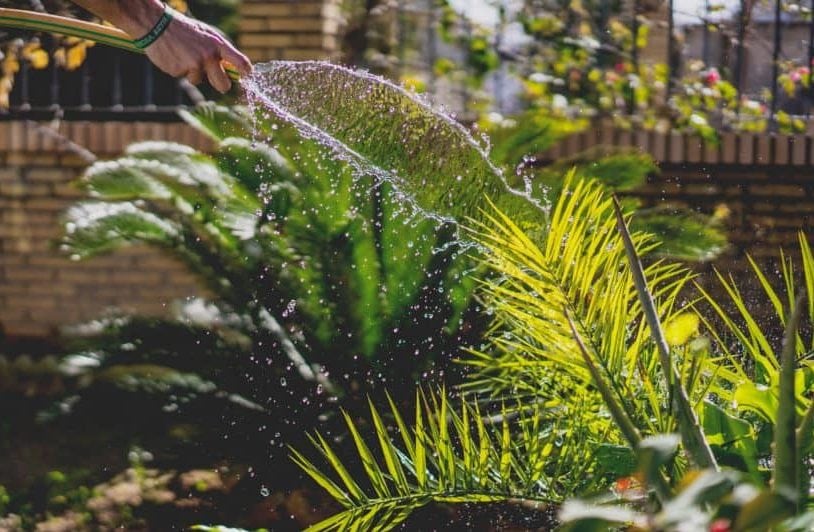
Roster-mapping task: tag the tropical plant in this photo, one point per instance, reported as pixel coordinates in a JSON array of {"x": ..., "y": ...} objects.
[
  {"x": 302, "y": 259},
  {"x": 721, "y": 501},
  {"x": 372, "y": 220},
  {"x": 309, "y": 257}
]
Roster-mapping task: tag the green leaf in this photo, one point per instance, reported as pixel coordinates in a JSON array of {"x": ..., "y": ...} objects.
[
  {"x": 758, "y": 399},
  {"x": 706, "y": 490},
  {"x": 219, "y": 122},
  {"x": 442, "y": 456},
  {"x": 253, "y": 164},
  {"x": 616, "y": 460},
  {"x": 692, "y": 434},
  {"x": 733, "y": 437},
  {"x": 654, "y": 452},
  {"x": 684, "y": 235},
  {"x": 786, "y": 467},
  {"x": 93, "y": 228}
]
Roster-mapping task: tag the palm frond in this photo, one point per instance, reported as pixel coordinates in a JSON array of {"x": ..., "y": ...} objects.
[
  {"x": 447, "y": 455},
  {"x": 579, "y": 265}
]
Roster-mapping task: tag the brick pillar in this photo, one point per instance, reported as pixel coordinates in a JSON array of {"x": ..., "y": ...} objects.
[{"x": 289, "y": 29}]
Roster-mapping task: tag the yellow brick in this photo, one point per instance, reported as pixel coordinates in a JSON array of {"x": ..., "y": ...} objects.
[
  {"x": 36, "y": 302},
  {"x": 74, "y": 161},
  {"x": 308, "y": 40},
  {"x": 50, "y": 174},
  {"x": 47, "y": 204},
  {"x": 259, "y": 55},
  {"x": 252, "y": 25},
  {"x": 25, "y": 327},
  {"x": 283, "y": 9},
  {"x": 135, "y": 277},
  {"x": 299, "y": 24},
  {"x": 303, "y": 54},
  {"x": 267, "y": 40}
]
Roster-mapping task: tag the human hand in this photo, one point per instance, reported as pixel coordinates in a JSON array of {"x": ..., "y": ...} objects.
[
  {"x": 193, "y": 49},
  {"x": 187, "y": 47}
]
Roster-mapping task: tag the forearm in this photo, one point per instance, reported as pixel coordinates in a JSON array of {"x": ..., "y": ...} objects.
[
  {"x": 135, "y": 17},
  {"x": 183, "y": 47}
]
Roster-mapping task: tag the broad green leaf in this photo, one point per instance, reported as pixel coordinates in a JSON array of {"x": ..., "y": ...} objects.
[
  {"x": 758, "y": 399},
  {"x": 733, "y": 437},
  {"x": 253, "y": 164},
  {"x": 682, "y": 235},
  {"x": 217, "y": 121}
]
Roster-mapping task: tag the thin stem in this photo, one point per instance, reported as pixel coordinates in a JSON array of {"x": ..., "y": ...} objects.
[
  {"x": 692, "y": 434},
  {"x": 785, "y": 437}
]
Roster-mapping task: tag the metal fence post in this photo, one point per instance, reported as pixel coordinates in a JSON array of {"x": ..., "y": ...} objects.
[{"x": 775, "y": 62}]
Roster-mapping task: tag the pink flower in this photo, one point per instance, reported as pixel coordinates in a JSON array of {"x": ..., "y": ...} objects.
[
  {"x": 712, "y": 76},
  {"x": 720, "y": 525},
  {"x": 619, "y": 68}
]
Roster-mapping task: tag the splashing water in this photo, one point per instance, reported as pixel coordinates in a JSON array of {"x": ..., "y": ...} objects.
[{"x": 431, "y": 161}]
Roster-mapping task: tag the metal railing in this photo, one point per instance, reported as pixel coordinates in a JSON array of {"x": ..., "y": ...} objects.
[{"x": 110, "y": 84}]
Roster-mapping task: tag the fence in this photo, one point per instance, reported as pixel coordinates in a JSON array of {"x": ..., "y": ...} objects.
[{"x": 110, "y": 85}]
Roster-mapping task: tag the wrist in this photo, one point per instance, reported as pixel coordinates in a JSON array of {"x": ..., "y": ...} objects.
[{"x": 137, "y": 18}]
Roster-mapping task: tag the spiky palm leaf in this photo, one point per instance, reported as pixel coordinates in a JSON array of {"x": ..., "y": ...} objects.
[
  {"x": 448, "y": 455},
  {"x": 575, "y": 284},
  {"x": 578, "y": 269}
]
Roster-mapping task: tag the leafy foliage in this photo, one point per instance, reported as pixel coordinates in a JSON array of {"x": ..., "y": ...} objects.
[
  {"x": 586, "y": 59},
  {"x": 682, "y": 233}
]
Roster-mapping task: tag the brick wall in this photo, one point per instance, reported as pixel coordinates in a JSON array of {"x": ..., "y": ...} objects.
[
  {"x": 765, "y": 181},
  {"x": 41, "y": 289},
  {"x": 289, "y": 29}
]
